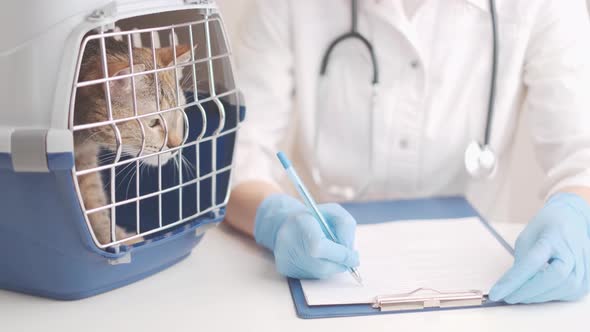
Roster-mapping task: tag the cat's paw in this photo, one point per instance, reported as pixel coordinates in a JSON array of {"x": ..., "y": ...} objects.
[
  {"x": 122, "y": 234},
  {"x": 133, "y": 241}
]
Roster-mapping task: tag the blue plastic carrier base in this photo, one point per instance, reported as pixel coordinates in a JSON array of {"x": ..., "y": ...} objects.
[
  {"x": 387, "y": 211},
  {"x": 45, "y": 245}
]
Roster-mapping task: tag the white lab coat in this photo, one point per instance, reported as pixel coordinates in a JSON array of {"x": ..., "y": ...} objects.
[{"x": 435, "y": 74}]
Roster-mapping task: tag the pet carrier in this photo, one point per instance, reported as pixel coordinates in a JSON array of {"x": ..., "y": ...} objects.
[{"x": 117, "y": 133}]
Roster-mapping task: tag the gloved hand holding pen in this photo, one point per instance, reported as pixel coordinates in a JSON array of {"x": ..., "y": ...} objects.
[
  {"x": 301, "y": 249},
  {"x": 552, "y": 255}
]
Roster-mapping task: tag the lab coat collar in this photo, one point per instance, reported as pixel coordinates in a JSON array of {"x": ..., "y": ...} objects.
[
  {"x": 391, "y": 11},
  {"x": 481, "y": 4}
]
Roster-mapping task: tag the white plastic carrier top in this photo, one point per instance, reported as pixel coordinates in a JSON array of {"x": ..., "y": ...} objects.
[{"x": 39, "y": 49}]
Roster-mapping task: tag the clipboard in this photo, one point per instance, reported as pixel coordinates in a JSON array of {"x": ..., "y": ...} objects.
[{"x": 419, "y": 300}]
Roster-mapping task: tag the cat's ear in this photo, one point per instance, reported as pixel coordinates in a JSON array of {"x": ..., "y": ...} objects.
[
  {"x": 166, "y": 54},
  {"x": 139, "y": 67},
  {"x": 121, "y": 88},
  {"x": 184, "y": 55}
]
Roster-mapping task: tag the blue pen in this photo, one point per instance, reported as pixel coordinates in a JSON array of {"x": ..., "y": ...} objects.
[{"x": 310, "y": 203}]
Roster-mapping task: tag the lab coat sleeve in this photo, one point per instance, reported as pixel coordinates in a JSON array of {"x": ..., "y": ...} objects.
[
  {"x": 264, "y": 74},
  {"x": 557, "y": 76}
]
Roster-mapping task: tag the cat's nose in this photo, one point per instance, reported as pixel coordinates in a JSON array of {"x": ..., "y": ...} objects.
[{"x": 174, "y": 141}]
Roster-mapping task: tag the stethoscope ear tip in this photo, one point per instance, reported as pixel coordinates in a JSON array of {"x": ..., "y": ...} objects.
[{"x": 480, "y": 161}]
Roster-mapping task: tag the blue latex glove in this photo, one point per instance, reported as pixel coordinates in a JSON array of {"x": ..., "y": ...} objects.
[
  {"x": 301, "y": 249},
  {"x": 552, "y": 255}
]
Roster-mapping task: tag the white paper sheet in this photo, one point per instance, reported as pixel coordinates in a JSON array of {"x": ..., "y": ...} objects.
[{"x": 400, "y": 257}]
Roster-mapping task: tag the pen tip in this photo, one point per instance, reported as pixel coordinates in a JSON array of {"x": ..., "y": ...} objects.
[{"x": 357, "y": 277}]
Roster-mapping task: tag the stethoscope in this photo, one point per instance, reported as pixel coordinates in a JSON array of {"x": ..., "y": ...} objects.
[{"x": 480, "y": 159}]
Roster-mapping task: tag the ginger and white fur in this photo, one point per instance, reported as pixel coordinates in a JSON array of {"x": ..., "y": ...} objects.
[{"x": 91, "y": 107}]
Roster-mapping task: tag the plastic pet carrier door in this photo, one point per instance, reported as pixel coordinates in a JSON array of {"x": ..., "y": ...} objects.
[{"x": 117, "y": 133}]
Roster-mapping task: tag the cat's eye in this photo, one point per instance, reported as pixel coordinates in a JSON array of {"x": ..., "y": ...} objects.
[{"x": 153, "y": 123}]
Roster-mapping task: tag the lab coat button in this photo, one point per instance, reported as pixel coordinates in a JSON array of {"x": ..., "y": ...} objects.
[
  {"x": 415, "y": 64},
  {"x": 403, "y": 144}
]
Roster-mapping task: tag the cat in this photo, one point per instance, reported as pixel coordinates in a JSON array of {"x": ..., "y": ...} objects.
[{"x": 91, "y": 107}]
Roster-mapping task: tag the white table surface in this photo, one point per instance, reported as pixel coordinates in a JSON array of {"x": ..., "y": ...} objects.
[{"x": 228, "y": 284}]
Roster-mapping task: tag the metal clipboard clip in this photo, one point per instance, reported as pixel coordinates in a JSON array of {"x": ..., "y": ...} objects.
[{"x": 423, "y": 298}]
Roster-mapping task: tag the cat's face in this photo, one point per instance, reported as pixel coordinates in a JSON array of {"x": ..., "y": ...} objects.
[{"x": 151, "y": 97}]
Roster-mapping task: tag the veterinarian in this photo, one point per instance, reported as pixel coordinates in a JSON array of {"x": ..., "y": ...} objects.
[{"x": 384, "y": 99}]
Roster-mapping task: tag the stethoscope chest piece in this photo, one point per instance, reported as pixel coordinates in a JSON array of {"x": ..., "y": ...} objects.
[{"x": 480, "y": 161}]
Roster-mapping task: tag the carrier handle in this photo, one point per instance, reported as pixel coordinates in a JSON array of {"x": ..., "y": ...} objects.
[{"x": 36, "y": 150}]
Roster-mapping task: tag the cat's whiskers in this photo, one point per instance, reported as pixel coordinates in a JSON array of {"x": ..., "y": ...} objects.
[
  {"x": 137, "y": 172},
  {"x": 128, "y": 172},
  {"x": 176, "y": 167},
  {"x": 111, "y": 156},
  {"x": 108, "y": 154},
  {"x": 190, "y": 168},
  {"x": 106, "y": 159},
  {"x": 187, "y": 164},
  {"x": 186, "y": 80},
  {"x": 133, "y": 152},
  {"x": 89, "y": 137},
  {"x": 179, "y": 162}
]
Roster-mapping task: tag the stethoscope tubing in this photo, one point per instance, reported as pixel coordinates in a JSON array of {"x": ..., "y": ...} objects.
[
  {"x": 355, "y": 34},
  {"x": 493, "y": 82},
  {"x": 352, "y": 34}
]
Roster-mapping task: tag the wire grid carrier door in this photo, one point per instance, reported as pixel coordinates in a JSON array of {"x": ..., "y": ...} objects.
[{"x": 163, "y": 145}]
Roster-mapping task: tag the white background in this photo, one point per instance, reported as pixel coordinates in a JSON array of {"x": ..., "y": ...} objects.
[{"x": 519, "y": 199}]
